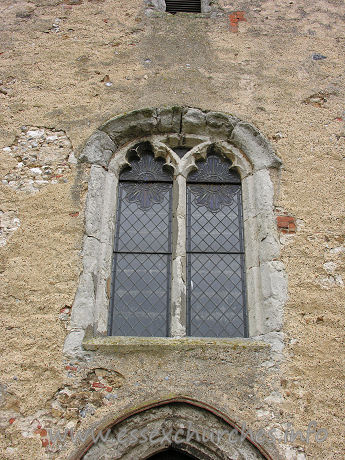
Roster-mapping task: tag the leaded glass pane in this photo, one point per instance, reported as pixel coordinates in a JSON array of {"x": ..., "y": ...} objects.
[
  {"x": 216, "y": 295},
  {"x": 141, "y": 295},
  {"x": 214, "y": 218},
  {"x": 215, "y": 254},
  {"x": 142, "y": 249},
  {"x": 143, "y": 228}
]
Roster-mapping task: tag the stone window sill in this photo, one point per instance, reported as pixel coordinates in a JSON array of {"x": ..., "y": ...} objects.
[{"x": 131, "y": 344}]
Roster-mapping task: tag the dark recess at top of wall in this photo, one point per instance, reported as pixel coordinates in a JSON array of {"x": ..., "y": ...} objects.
[{"x": 187, "y": 6}]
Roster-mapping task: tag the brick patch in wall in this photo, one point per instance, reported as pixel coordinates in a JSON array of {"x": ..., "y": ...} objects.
[
  {"x": 286, "y": 224},
  {"x": 235, "y": 18}
]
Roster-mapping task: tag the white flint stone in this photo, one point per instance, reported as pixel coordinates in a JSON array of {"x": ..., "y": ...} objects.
[
  {"x": 34, "y": 134},
  {"x": 330, "y": 267},
  {"x": 50, "y": 139},
  {"x": 72, "y": 159},
  {"x": 36, "y": 171}
]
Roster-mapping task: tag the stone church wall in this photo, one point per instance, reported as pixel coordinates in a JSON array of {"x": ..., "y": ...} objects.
[{"x": 68, "y": 66}]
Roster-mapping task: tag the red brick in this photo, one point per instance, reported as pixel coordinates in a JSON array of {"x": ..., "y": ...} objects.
[
  {"x": 71, "y": 368},
  {"x": 45, "y": 442},
  {"x": 283, "y": 220},
  {"x": 287, "y": 224},
  {"x": 235, "y": 18},
  {"x": 41, "y": 431},
  {"x": 98, "y": 385}
]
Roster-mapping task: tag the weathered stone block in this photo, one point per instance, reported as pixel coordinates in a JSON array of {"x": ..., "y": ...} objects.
[
  {"x": 98, "y": 149},
  {"x": 91, "y": 250},
  {"x": 133, "y": 125},
  {"x": 83, "y": 307},
  {"x": 193, "y": 121},
  {"x": 94, "y": 202},
  {"x": 259, "y": 151},
  {"x": 158, "y": 5},
  {"x": 220, "y": 124},
  {"x": 169, "y": 119}
]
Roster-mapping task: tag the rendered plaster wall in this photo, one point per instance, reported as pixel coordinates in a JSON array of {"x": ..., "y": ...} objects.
[{"x": 67, "y": 67}]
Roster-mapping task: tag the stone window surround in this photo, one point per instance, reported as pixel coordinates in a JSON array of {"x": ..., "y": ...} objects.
[{"x": 106, "y": 151}]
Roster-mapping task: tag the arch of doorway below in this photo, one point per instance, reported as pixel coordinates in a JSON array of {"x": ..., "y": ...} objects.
[{"x": 182, "y": 426}]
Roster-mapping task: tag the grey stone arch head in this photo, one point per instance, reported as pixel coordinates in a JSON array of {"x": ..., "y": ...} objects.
[
  {"x": 250, "y": 153},
  {"x": 184, "y": 424}
]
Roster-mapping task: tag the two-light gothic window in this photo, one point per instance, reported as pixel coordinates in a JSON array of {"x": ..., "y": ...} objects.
[{"x": 145, "y": 246}]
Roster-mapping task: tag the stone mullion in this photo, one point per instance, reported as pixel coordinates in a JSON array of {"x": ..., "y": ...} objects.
[{"x": 178, "y": 321}]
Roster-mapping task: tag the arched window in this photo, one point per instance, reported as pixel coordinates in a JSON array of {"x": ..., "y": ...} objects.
[
  {"x": 184, "y": 428},
  {"x": 215, "y": 251},
  {"x": 142, "y": 248},
  {"x": 212, "y": 247},
  {"x": 177, "y": 199}
]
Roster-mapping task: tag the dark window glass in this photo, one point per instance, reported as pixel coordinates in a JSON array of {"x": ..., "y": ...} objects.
[
  {"x": 215, "y": 253},
  {"x": 142, "y": 249},
  {"x": 181, "y": 151},
  {"x": 187, "y": 6}
]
